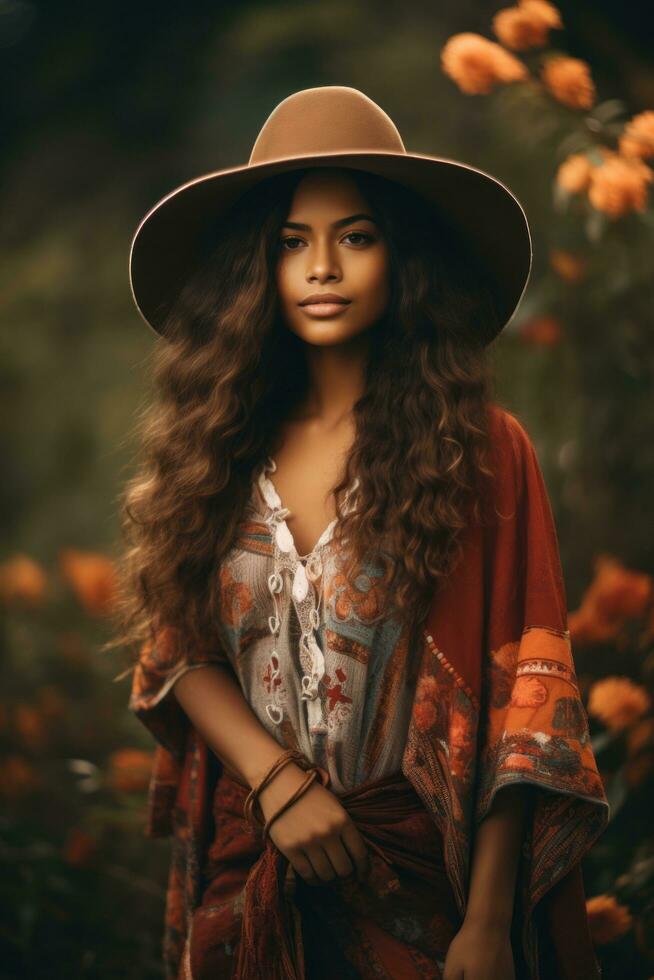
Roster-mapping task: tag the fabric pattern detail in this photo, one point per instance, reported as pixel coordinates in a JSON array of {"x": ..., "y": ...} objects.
[{"x": 486, "y": 697}]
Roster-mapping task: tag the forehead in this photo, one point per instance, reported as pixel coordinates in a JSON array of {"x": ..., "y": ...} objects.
[{"x": 326, "y": 194}]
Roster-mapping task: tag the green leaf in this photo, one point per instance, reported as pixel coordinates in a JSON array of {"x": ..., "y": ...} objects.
[
  {"x": 616, "y": 793},
  {"x": 561, "y": 197},
  {"x": 595, "y": 226},
  {"x": 595, "y": 156},
  {"x": 608, "y": 110},
  {"x": 577, "y": 142}
]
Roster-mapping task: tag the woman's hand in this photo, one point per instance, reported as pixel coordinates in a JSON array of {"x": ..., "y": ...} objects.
[
  {"x": 316, "y": 833},
  {"x": 480, "y": 952}
]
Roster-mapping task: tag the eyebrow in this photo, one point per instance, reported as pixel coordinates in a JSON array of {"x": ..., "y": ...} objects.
[{"x": 335, "y": 224}]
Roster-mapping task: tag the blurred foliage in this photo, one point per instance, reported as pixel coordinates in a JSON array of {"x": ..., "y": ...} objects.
[
  {"x": 588, "y": 315},
  {"x": 80, "y": 880},
  {"x": 113, "y": 105}
]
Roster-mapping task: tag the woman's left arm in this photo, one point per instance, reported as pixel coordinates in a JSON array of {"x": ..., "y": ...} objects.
[{"x": 481, "y": 950}]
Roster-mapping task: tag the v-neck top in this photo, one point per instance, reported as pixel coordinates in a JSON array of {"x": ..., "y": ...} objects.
[{"x": 322, "y": 663}]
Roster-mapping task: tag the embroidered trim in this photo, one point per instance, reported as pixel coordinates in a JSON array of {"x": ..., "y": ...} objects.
[
  {"x": 304, "y": 572},
  {"x": 458, "y": 680},
  {"x": 564, "y": 634},
  {"x": 550, "y": 668}
]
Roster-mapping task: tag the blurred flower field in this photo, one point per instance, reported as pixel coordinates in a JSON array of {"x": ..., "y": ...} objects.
[
  {"x": 597, "y": 159},
  {"x": 80, "y": 872},
  {"x": 83, "y": 889}
]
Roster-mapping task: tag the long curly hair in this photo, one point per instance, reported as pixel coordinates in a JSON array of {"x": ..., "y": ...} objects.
[{"x": 228, "y": 370}]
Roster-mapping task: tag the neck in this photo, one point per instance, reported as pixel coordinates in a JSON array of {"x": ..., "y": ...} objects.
[{"x": 336, "y": 380}]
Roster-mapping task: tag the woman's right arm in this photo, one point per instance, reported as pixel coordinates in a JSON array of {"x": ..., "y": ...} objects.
[{"x": 316, "y": 833}]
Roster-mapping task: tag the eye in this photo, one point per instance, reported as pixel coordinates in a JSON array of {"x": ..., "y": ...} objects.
[
  {"x": 290, "y": 238},
  {"x": 359, "y": 234}
]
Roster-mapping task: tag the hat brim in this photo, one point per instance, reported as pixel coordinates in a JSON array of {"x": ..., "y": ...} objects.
[{"x": 489, "y": 216}]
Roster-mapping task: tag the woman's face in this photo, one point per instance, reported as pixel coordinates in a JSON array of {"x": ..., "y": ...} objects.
[{"x": 330, "y": 243}]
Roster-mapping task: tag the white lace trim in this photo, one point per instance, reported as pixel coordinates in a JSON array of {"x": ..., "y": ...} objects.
[{"x": 303, "y": 571}]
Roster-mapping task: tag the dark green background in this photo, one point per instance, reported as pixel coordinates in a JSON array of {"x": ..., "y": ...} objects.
[{"x": 106, "y": 107}]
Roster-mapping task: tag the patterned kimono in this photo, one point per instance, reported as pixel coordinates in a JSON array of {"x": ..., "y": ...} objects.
[
  {"x": 322, "y": 664},
  {"x": 493, "y": 701}
]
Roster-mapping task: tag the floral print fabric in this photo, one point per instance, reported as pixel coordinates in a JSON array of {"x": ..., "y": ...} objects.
[
  {"x": 496, "y": 702},
  {"x": 322, "y": 664}
]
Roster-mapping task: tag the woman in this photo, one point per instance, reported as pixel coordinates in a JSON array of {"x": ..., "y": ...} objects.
[{"x": 342, "y": 548}]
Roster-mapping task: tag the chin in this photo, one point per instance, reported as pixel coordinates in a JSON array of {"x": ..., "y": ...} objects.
[
  {"x": 325, "y": 333},
  {"x": 323, "y": 336}
]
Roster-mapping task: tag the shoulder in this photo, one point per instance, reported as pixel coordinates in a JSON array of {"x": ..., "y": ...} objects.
[
  {"x": 507, "y": 433},
  {"x": 508, "y": 437},
  {"x": 513, "y": 457}
]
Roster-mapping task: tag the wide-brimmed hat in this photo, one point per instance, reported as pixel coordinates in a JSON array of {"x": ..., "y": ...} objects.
[{"x": 332, "y": 125}]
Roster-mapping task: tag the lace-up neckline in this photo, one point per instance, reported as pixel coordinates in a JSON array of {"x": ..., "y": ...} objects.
[
  {"x": 305, "y": 571},
  {"x": 285, "y": 535}
]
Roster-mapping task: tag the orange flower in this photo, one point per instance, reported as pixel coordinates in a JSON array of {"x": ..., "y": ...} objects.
[
  {"x": 459, "y": 729},
  {"x": 129, "y": 770},
  {"x": 79, "y": 847},
  {"x": 615, "y": 595},
  {"x": 17, "y": 777},
  {"x": 425, "y": 712},
  {"x": 425, "y": 715},
  {"x": 621, "y": 593},
  {"x": 92, "y": 578},
  {"x": 574, "y": 173},
  {"x": 427, "y": 688},
  {"x": 517, "y": 761},
  {"x": 547, "y": 12},
  {"x": 22, "y": 580},
  {"x": 637, "y": 138},
  {"x": 617, "y": 702},
  {"x": 569, "y": 81},
  {"x": 477, "y": 65},
  {"x": 543, "y": 331},
  {"x": 528, "y": 692},
  {"x": 235, "y": 597},
  {"x": 568, "y": 266},
  {"x": 620, "y": 185},
  {"x": 29, "y": 725},
  {"x": 586, "y": 627},
  {"x": 607, "y": 919},
  {"x": 526, "y": 26}
]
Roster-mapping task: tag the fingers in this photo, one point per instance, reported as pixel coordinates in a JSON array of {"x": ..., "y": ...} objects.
[
  {"x": 304, "y": 867},
  {"x": 323, "y": 861},
  {"x": 357, "y": 849},
  {"x": 325, "y": 844},
  {"x": 326, "y": 860},
  {"x": 340, "y": 856},
  {"x": 340, "y": 862}
]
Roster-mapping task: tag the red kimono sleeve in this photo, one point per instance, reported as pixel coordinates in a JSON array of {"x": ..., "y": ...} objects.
[
  {"x": 533, "y": 725},
  {"x": 178, "y": 749},
  {"x": 161, "y": 663}
]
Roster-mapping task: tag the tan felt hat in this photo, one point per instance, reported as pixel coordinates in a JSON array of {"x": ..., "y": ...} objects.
[{"x": 339, "y": 126}]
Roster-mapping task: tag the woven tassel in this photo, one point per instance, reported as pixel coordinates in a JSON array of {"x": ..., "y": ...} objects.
[{"x": 261, "y": 955}]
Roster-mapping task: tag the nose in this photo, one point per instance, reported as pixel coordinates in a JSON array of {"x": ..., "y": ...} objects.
[{"x": 322, "y": 265}]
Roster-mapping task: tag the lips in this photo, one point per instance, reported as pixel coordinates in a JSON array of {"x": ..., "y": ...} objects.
[
  {"x": 324, "y": 305},
  {"x": 317, "y": 299}
]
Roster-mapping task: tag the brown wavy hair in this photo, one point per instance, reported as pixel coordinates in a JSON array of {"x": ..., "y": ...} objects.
[{"x": 227, "y": 372}]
